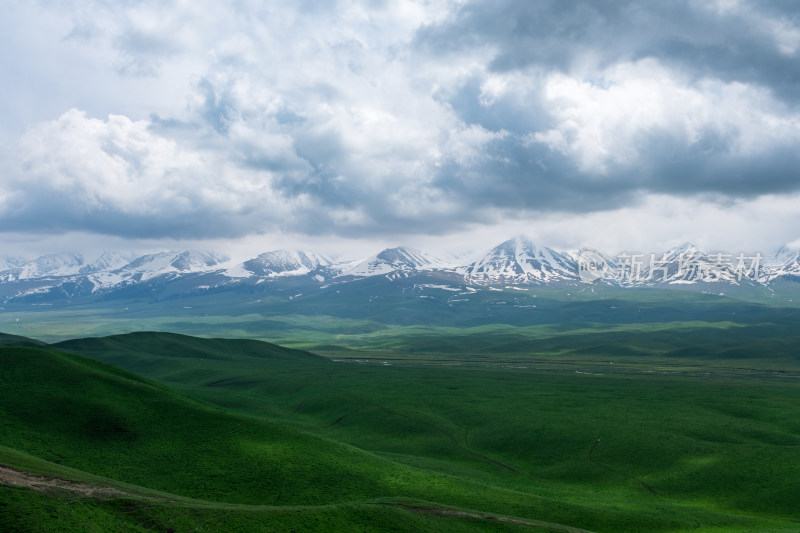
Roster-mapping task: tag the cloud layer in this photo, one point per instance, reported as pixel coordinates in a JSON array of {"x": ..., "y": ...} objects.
[{"x": 390, "y": 118}]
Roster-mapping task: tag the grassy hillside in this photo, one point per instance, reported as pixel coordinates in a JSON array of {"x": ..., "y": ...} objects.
[
  {"x": 515, "y": 426},
  {"x": 17, "y": 340},
  {"x": 68, "y": 500},
  {"x": 621, "y": 451},
  {"x": 182, "y": 359},
  {"x": 97, "y": 419}
]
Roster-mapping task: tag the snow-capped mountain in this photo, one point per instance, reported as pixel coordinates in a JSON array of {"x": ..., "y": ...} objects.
[
  {"x": 394, "y": 260},
  {"x": 7, "y": 263},
  {"x": 785, "y": 263},
  {"x": 151, "y": 266},
  {"x": 108, "y": 260},
  {"x": 286, "y": 263},
  {"x": 51, "y": 265},
  {"x": 688, "y": 264},
  {"x": 518, "y": 260}
]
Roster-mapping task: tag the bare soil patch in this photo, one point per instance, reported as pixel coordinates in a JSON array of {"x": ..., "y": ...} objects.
[{"x": 19, "y": 478}]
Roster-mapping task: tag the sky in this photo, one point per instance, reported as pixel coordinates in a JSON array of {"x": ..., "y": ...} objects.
[{"x": 248, "y": 126}]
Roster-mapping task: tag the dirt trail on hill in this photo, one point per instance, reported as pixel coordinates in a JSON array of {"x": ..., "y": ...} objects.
[
  {"x": 12, "y": 476},
  {"x": 539, "y": 524}
]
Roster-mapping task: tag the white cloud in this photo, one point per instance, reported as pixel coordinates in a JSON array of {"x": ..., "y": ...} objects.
[
  {"x": 602, "y": 123},
  {"x": 318, "y": 117},
  {"x": 120, "y": 171}
]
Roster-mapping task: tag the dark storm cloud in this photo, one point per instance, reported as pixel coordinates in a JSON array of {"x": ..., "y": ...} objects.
[
  {"x": 711, "y": 168},
  {"x": 61, "y": 218},
  {"x": 734, "y": 44},
  {"x": 518, "y": 177},
  {"x": 512, "y": 113},
  {"x": 750, "y": 44}
]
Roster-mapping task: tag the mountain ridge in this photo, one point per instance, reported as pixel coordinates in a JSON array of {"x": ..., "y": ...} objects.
[{"x": 516, "y": 261}]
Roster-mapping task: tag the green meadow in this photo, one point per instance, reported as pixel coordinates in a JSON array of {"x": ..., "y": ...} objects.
[
  {"x": 687, "y": 419},
  {"x": 250, "y": 435}
]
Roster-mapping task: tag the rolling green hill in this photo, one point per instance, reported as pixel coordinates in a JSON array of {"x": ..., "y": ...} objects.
[
  {"x": 248, "y": 433},
  {"x": 97, "y": 419},
  {"x": 17, "y": 340}
]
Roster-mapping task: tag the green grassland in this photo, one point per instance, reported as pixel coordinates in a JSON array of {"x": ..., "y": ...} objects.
[
  {"x": 97, "y": 419},
  {"x": 501, "y": 410},
  {"x": 652, "y": 329},
  {"x": 209, "y": 434},
  {"x": 371, "y": 314}
]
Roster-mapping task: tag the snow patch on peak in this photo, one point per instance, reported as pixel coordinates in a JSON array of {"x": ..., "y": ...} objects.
[
  {"x": 685, "y": 248},
  {"x": 8, "y": 263},
  {"x": 153, "y": 265},
  {"x": 196, "y": 261},
  {"x": 144, "y": 268},
  {"x": 785, "y": 255},
  {"x": 785, "y": 262},
  {"x": 519, "y": 260},
  {"x": 394, "y": 260},
  {"x": 285, "y": 263},
  {"x": 51, "y": 265},
  {"x": 108, "y": 260}
]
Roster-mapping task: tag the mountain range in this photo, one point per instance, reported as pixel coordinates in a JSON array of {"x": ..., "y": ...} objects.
[{"x": 516, "y": 262}]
